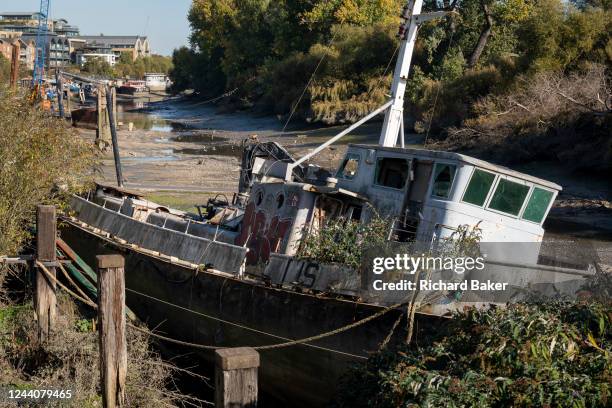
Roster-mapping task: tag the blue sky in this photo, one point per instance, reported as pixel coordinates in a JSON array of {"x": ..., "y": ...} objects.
[{"x": 163, "y": 21}]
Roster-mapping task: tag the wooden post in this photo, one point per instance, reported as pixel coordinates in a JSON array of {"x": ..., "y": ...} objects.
[
  {"x": 45, "y": 302},
  {"x": 114, "y": 104},
  {"x": 69, "y": 101},
  {"x": 236, "y": 377},
  {"x": 111, "y": 318},
  {"x": 110, "y": 108},
  {"x": 103, "y": 131},
  {"x": 15, "y": 63}
]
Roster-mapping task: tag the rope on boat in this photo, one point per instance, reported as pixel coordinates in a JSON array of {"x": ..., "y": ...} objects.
[
  {"x": 288, "y": 343},
  {"x": 295, "y": 106}
]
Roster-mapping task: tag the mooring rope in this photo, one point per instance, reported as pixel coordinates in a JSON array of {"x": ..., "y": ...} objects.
[
  {"x": 223, "y": 95},
  {"x": 433, "y": 110},
  {"x": 288, "y": 343},
  {"x": 54, "y": 279}
]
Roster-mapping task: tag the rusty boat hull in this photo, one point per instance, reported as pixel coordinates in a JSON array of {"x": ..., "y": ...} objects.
[{"x": 300, "y": 375}]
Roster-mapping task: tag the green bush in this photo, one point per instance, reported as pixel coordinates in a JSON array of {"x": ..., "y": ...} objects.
[
  {"x": 526, "y": 355},
  {"x": 343, "y": 241},
  {"x": 38, "y": 153}
]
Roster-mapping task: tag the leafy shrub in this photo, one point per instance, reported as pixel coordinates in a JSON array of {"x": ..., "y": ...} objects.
[
  {"x": 37, "y": 152},
  {"x": 526, "y": 355},
  {"x": 342, "y": 241},
  {"x": 548, "y": 115}
]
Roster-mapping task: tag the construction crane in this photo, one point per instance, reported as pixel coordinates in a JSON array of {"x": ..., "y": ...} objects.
[{"x": 41, "y": 43}]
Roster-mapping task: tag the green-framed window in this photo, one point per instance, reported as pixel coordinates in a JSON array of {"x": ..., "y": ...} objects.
[
  {"x": 509, "y": 197},
  {"x": 478, "y": 187},
  {"x": 537, "y": 205}
]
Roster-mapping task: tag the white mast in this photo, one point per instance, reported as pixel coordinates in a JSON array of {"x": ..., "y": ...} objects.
[
  {"x": 394, "y": 117},
  {"x": 395, "y": 114}
]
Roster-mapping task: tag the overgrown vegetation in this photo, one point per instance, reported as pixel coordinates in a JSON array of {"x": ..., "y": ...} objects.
[
  {"x": 270, "y": 49},
  {"x": 343, "y": 241},
  {"x": 69, "y": 359},
  {"x": 466, "y": 68},
  {"x": 42, "y": 159},
  {"x": 5, "y": 69},
  {"x": 526, "y": 355},
  {"x": 547, "y": 115}
]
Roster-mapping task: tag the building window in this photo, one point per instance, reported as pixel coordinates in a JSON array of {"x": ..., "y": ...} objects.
[
  {"x": 478, "y": 187},
  {"x": 537, "y": 205},
  {"x": 391, "y": 172},
  {"x": 509, "y": 197},
  {"x": 349, "y": 167},
  {"x": 444, "y": 174}
]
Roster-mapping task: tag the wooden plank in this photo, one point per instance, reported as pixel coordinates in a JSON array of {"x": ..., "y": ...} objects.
[
  {"x": 44, "y": 301},
  {"x": 111, "y": 318},
  {"x": 236, "y": 377}
]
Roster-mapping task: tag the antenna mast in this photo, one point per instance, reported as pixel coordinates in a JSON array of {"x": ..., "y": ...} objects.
[
  {"x": 394, "y": 108},
  {"x": 394, "y": 117}
]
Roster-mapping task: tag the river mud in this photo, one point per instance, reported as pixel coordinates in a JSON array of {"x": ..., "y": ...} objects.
[{"x": 182, "y": 152}]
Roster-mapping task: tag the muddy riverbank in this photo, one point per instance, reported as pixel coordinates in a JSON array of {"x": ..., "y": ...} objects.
[{"x": 181, "y": 152}]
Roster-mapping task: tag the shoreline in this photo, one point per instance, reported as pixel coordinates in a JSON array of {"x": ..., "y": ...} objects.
[{"x": 190, "y": 152}]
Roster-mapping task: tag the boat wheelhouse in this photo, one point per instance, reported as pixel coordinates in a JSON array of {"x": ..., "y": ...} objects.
[
  {"x": 433, "y": 192},
  {"x": 427, "y": 195}
]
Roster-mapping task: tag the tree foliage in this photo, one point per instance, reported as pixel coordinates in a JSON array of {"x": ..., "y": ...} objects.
[
  {"x": 269, "y": 50},
  {"x": 125, "y": 67},
  {"x": 98, "y": 67},
  {"x": 5, "y": 69}
]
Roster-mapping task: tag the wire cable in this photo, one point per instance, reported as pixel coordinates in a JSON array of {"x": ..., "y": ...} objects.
[{"x": 433, "y": 111}]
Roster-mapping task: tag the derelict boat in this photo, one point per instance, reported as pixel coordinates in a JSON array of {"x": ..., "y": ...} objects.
[{"x": 192, "y": 276}]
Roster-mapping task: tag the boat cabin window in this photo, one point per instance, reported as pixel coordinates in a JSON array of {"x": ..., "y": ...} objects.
[
  {"x": 444, "y": 174},
  {"x": 478, "y": 187},
  {"x": 509, "y": 197},
  {"x": 537, "y": 205},
  {"x": 391, "y": 172},
  {"x": 349, "y": 167}
]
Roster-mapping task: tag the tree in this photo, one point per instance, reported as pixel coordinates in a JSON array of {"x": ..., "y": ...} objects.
[
  {"x": 268, "y": 50},
  {"x": 181, "y": 73},
  {"x": 484, "y": 34},
  {"x": 126, "y": 67},
  {"x": 98, "y": 67}
]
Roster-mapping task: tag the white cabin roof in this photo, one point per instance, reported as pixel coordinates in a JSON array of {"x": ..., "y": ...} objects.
[{"x": 440, "y": 154}]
